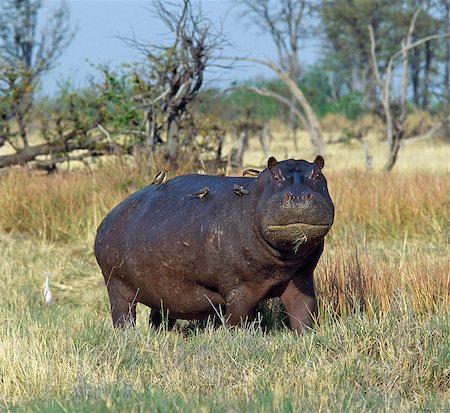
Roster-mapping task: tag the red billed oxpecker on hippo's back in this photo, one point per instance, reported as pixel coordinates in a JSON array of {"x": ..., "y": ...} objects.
[{"x": 199, "y": 242}]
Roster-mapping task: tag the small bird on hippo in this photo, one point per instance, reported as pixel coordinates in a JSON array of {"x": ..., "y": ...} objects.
[{"x": 160, "y": 177}]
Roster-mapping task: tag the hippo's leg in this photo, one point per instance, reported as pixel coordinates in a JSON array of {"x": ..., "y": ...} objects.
[
  {"x": 300, "y": 302},
  {"x": 241, "y": 303},
  {"x": 123, "y": 303},
  {"x": 156, "y": 320}
]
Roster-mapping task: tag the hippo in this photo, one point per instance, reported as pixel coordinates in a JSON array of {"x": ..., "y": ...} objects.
[{"x": 199, "y": 244}]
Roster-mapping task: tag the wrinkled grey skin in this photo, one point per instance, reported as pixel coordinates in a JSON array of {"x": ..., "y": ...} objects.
[{"x": 168, "y": 249}]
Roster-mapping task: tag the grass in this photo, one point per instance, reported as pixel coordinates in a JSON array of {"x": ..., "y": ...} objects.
[
  {"x": 68, "y": 207},
  {"x": 397, "y": 359},
  {"x": 381, "y": 342}
]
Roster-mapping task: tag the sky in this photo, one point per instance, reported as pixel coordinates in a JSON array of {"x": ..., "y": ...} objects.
[{"x": 99, "y": 22}]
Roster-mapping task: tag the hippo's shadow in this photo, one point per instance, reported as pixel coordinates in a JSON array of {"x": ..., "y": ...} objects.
[{"x": 268, "y": 316}]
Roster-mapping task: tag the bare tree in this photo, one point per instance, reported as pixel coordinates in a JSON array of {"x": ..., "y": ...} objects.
[
  {"x": 175, "y": 72},
  {"x": 395, "y": 110},
  {"x": 284, "y": 21},
  {"x": 145, "y": 104},
  {"x": 25, "y": 55}
]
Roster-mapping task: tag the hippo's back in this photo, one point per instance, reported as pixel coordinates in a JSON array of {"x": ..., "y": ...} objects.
[{"x": 157, "y": 217}]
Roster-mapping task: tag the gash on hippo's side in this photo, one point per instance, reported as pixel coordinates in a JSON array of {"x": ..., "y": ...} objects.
[{"x": 200, "y": 241}]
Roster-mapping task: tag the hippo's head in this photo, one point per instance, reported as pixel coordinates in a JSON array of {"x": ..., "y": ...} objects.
[{"x": 294, "y": 207}]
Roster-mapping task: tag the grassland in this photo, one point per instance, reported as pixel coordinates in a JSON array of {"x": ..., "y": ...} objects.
[{"x": 382, "y": 338}]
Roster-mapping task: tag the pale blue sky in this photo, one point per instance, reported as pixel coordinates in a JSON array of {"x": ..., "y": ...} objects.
[{"x": 98, "y": 21}]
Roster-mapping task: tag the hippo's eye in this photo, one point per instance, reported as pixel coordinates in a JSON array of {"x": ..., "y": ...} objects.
[
  {"x": 278, "y": 175},
  {"x": 315, "y": 174}
]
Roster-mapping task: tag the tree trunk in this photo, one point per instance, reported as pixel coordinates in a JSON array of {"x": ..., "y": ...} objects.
[
  {"x": 415, "y": 75},
  {"x": 30, "y": 153},
  {"x": 241, "y": 147},
  {"x": 447, "y": 74},
  {"x": 397, "y": 126},
  {"x": 293, "y": 122},
  {"x": 149, "y": 140},
  {"x": 313, "y": 125},
  {"x": 394, "y": 149},
  {"x": 367, "y": 156},
  {"x": 426, "y": 80},
  {"x": 264, "y": 136},
  {"x": 21, "y": 123},
  {"x": 220, "y": 137},
  {"x": 173, "y": 130}
]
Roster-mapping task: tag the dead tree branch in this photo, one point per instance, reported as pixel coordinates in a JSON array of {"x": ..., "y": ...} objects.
[
  {"x": 173, "y": 74},
  {"x": 283, "y": 19},
  {"x": 309, "y": 119},
  {"x": 395, "y": 122},
  {"x": 92, "y": 144}
]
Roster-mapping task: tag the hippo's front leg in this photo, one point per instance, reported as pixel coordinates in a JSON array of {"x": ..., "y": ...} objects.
[
  {"x": 300, "y": 302},
  {"x": 241, "y": 302}
]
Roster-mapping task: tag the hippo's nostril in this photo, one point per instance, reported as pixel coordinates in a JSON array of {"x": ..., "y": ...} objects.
[
  {"x": 287, "y": 196},
  {"x": 309, "y": 196}
]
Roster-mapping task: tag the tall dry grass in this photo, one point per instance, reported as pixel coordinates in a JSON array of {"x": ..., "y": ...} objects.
[
  {"x": 64, "y": 207},
  {"x": 377, "y": 284},
  {"x": 377, "y": 205},
  {"x": 384, "y": 207},
  {"x": 381, "y": 221},
  {"x": 391, "y": 232}
]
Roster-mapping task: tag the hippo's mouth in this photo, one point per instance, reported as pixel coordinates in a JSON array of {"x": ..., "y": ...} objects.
[
  {"x": 297, "y": 233},
  {"x": 299, "y": 226}
]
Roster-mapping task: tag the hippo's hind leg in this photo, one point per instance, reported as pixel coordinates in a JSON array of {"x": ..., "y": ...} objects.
[
  {"x": 123, "y": 303},
  {"x": 156, "y": 319}
]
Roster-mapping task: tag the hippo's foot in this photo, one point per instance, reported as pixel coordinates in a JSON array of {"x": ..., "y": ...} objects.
[
  {"x": 123, "y": 303},
  {"x": 157, "y": 319}
]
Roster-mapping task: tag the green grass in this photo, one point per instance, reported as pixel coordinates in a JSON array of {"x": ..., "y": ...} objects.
[
  {"x": 71, "y": 358},
  {"x": 346, "y": 365}
]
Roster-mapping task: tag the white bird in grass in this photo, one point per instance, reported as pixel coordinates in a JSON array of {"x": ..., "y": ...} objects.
[{"x": 47, "y": 292}]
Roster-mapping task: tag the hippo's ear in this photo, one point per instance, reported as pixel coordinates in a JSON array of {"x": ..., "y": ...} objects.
[
  {"x": 271, "y": 163},
  {"x": 276, "y": 172},
  {"x": 319, "y": 161}
]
